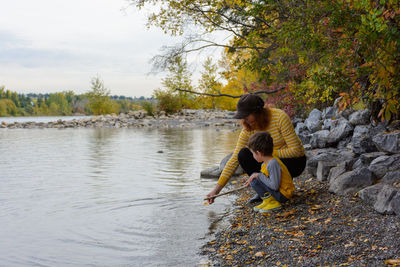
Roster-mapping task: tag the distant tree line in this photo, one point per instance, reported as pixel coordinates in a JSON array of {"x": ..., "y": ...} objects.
[{"x": 96, "y": 101}]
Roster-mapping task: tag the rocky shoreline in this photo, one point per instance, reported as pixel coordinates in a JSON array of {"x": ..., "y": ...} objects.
[
  {"x": 317, "y": 228},
  {"x": 138, "y": 119},
  {"x": 346, "y": 210}
]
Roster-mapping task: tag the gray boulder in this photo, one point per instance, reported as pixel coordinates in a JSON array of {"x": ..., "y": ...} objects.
[
  {"x": 295, "y": 121},
  {"x": 313, "y": 122},
  {"x": 366, "y": 159},
  {"x": 391, "y": 177},
  {"x": 370, "y": 193},
  {"x": 301, "y": 128},
  {"x": 323, "y": 170},
  {"x": 346, "y": 113},
  {"x": 239, "y": 171},
  {"x": 360, "y": 117},
  {"x": 328, "y": 113},
  {"x": 319, "y": 139},
  {"x": 351, "y": 182},
  {"x": 361, "y": 141},
  {"x": 339, "y": 132},
  {"x": 395, "y": 204},
  {"x": 384, "y": 198},
  {"x": 327, "y": 124},
  {"x": 305, "y": 138},
  {"x": 383, "y": 164},
  {"x": 337, "y": 171},
  {"x": 344, "y": 143},
  {"x": 215, "y": 172},
  {"x": 328, "y": 155},
  {"x": 387, "y": 142},
  {"x": 212, "y": 172}
]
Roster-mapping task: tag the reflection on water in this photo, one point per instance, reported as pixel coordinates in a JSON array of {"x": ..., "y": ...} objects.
[{"x": 107, "y": 197}]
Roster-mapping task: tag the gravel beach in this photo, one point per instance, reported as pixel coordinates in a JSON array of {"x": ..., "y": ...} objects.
[{"x": 316, "y": 228}]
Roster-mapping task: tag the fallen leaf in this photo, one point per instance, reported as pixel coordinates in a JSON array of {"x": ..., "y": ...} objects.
[
  {"x": 316, "y": 207},
  {"x": 259, "y": 254},
  {"x": 395, "y": 262},
  {"x": 229, "y": 257},
  {"x": 350, "y": 244}
]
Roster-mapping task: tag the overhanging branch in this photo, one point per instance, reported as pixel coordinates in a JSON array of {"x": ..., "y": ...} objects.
[{"x": 232, "y": 96}]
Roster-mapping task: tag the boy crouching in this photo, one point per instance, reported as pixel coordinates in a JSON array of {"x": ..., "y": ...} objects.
[{"x": 274, "y": 183}]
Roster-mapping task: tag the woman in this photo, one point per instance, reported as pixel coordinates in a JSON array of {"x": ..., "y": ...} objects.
[{"x": 259, "y": 118}]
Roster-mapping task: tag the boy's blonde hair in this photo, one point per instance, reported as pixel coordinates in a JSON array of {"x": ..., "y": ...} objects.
[{"x": 262, "y": 142}]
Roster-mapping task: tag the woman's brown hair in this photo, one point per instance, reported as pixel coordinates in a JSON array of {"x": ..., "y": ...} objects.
[{"x": 262, "y": 120}]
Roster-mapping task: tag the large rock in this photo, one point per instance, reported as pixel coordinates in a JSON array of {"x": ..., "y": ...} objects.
[
  {"x": 391, "y": 177},
  {"x": 351, "y": 182},
  {"x": 323, "y": 169},
  {"x": 319, "y": 139},
  {"x": 346, "y": 113},
  {"x": 337, "y": 171},
  {"x": 238, "y": 171},
  {"x": 370, "y": 193},
  {"x": 361, "y": 141},
  {"x": 301, "y": 128},
  {"x": 387, "y": 142},
  {"x": 328, "y": 113},
  {"x": 395, "y": 204},
  {"x": 383, "y": 164},
  {"x": 313, "y": 122},
  {"x": 328, "y": 124},
  {"x": 344, "y": 143},
  {"x": 212, "y": 172},
  {"x": 305, "y": 138},
  {"x": 384, "y": 198},
  {"x": 366, "y": 159},
  {"x": 360, "y": 117},
  {"x": 328, "y": 155},
  {"x": 339, "y": 132}
]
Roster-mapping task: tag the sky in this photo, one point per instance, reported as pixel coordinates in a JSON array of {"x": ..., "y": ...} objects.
[{"x": 52, "y": 45}]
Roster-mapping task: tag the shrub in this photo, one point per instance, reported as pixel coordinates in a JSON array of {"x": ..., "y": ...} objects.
[
  {"x": 167, "y": 101},
  {"x": 148, "y": 106}
]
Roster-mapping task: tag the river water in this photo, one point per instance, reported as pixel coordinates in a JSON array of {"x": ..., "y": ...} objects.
[{"x": 108, "y": 197}]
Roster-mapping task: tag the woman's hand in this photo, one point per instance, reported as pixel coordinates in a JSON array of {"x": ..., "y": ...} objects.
[
  {"x": 251, "y": 178},
  {"x": 214, "y": 192}
]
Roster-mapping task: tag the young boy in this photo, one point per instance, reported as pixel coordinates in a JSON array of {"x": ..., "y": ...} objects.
[{"x": 274, "y": 183}]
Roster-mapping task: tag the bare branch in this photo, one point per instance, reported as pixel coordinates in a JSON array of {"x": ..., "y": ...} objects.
[{"x": 232, "y": 96}]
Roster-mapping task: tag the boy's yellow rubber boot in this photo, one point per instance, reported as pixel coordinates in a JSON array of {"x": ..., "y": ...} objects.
[
  {"x": 266, "y": 199},
  {"x": 272, "y": 204}
]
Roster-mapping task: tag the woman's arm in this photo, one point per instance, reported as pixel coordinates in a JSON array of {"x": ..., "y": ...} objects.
[
  {"x": 294, "y": 148},
  {"x": 233, "y": 162}
]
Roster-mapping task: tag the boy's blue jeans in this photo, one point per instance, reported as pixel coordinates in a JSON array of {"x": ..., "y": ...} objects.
[{"x": 262, "y": 188}]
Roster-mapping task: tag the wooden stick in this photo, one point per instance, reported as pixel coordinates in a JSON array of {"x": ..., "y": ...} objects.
[{"x": 227, "y": 192}]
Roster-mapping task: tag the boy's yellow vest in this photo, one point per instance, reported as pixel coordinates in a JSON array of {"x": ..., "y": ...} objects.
[{"x": 286, "y": 187}]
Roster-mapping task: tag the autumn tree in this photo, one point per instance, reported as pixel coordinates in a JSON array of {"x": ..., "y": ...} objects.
[
  {"x": 318, "y": 50},
  {"x": 178, "y": 77},
  {"x": 209, "y": 82},
  {"x": 99, "y": 98}
]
